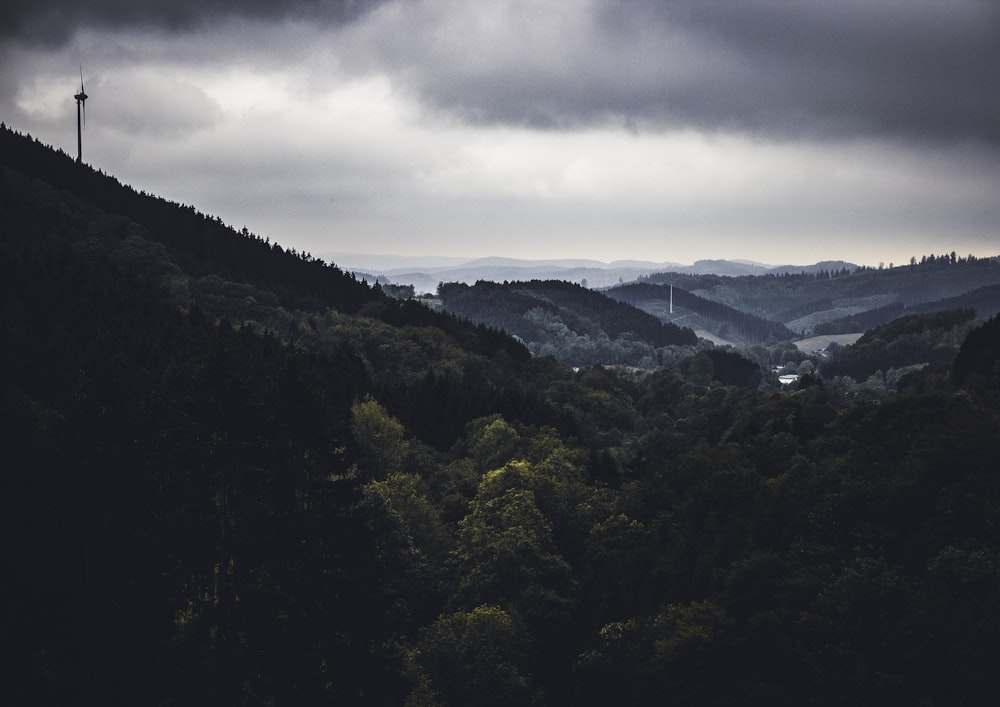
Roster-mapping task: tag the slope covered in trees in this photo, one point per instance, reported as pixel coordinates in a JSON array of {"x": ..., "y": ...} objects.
[
  {"x": 214, "y": 497},
  {"x": 721, "y": 319},
  {"x": 978, "y": 359},
  {"x": 833, "y": 301},
  {"x": 576, "y": 325},
  {"x": 912, "y": 339}
]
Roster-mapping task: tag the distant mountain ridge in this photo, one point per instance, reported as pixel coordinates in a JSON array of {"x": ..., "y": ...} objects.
[{"x": 424, "y": 273}]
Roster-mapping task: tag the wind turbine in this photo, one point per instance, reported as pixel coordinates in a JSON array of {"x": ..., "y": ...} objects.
[{"x": 81, "y": 107}]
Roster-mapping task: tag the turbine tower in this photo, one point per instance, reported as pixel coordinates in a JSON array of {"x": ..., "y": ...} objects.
[{"x": 81, "y": 107}]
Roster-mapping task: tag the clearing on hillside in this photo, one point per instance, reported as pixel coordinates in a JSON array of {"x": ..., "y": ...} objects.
[{"x": 819, "y": 343}]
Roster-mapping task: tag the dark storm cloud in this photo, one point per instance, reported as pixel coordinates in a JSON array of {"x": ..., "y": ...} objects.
[
  {"x": 52, "y": 22},
  {"x": 782, "y": 131},
  {"x": 921, "y": 69}
]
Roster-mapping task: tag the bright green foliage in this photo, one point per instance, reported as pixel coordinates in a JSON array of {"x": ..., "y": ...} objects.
[
  {"x": 380, "y": 438},
  {"x": 507, "y": 555},
  {"x": 476, "y": 658},
  {"x": 406, "y": 496},
  {"x": 492, "y": 443}
]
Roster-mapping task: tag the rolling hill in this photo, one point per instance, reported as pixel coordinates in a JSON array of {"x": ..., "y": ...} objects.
[
  {"x": 424, "y": 274},
  {"x": 828, "y": 301},
  {"x": 576, "y": 325}
]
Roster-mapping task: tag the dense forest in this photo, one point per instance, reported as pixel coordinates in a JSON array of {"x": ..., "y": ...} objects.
[
  {"x": 729, "y": 322},
  {"x": 576, "y": 325},
  {"x": 236, "y": 475},
  {"x": 910, "y": 340},
  {"x": 585, "y": 327},
  {"x": 841, "y": 300}
]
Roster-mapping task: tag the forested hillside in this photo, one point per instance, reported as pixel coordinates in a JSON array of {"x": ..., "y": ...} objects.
[
  {"x": 844, "y": 300},
  {"x": 721, "y": 319},
  {"x": 576, "y": 325},
  {"x": 910, "y": 340},
  {"x": 226, "y": 485}
]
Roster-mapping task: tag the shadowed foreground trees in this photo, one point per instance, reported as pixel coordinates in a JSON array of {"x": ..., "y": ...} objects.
[{"x": 479, "y": 658}]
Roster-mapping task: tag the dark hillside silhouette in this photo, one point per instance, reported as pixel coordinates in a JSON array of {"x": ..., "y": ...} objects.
[
  {"x": 205, "y": 246},
  {"x": 979, "y": 357},
  {"x": 200, "y": 243},
  {"x": 913, "y": 339}
]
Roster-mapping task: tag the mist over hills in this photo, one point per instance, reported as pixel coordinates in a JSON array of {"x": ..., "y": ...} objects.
[
  {"x": 424, "y": 273},
  {"x": 728, "y": 302}
]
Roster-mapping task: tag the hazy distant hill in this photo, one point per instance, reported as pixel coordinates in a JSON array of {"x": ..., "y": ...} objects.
[
  {"x": 743, "y": 302},
  {"x": 838, "y": 298},
  {"x": 425, "y": 273},
  {"x": 589, "y": 273}
]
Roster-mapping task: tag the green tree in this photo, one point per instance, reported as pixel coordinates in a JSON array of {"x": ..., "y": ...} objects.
[
  {"x": 507, "y": 555},
  {"x": 492, "y": 442},
  {"x": 381, "y": 440},
  {"x": 475, "y": 658},
  {"x": 406, "y": 496}
]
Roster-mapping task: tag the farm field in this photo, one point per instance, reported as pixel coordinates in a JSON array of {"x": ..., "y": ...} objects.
[{"x": 819, "y": 343}]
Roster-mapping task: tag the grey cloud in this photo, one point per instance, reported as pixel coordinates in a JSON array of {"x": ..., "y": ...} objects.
[
  {"x": 921, "y": 69},
  {"x": 813, "y": 69},
  {"x": 168, "y": 108},
  {"x": 52, "y": 22},
  {"x": 916, "y": 70}
]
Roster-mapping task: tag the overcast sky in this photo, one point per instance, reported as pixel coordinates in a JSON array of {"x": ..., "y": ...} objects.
[{"x": 780, "y": 132}]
